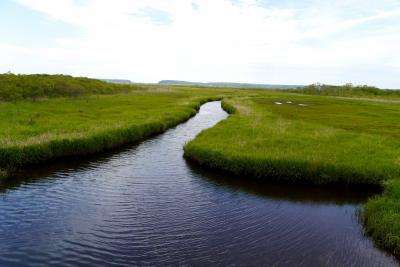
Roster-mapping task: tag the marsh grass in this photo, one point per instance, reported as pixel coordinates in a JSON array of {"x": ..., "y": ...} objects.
[
  {"x": 39, "y": 131},
  {"x": 33, "y": 87},
  {"x": 381, "y": 216},
  {"x": 45, "y": 117},
  {"x": 327, "y": 141},
  {"x": 347, "y": 90}
]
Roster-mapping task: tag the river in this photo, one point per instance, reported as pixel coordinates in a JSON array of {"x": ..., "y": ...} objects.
[{"x": 146, "y": 205}]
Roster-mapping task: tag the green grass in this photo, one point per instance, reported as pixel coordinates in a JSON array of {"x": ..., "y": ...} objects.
[
  {"x": 44, "y": 117},
  {"x": 33, "y": 132},
  {"x": 32, "y": 87},
  {"x": 328, "y": 141},
  {"x": 347, "y": 90},
  {"x": 381, "y": 216}
]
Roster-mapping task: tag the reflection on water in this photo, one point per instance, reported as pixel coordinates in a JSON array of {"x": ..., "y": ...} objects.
[
  {"x": 286, "y": 192},
  {"x": 146, "y": 205}
]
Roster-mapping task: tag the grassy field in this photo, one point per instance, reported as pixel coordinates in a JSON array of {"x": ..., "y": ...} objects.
[
  {"x": 347, "y": 90},
  {"x": 311, "y": 139},
  {"x": 32, "y": 132},
  {"x": 32, "y": 87}
]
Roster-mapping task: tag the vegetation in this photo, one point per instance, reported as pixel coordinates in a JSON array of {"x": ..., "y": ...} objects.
[
  {"x": 347, "y": 90},
  {"x": 32, "y": 132},
  {"x": 304, "y": 139},
  {"x": 31, "y": 87},
  {"x": 382, "y": 218}
]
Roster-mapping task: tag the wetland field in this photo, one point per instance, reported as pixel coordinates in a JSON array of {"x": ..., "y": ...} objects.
[{"x": 166, "y": 175}]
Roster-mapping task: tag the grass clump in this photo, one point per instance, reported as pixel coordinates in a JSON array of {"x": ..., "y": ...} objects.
[
  {"x": 381, "y": 216},
  {"x": 228, "y": 107}
]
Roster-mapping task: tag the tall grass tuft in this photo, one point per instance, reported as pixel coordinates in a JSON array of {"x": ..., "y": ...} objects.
[{"x": 381, "y": 217}]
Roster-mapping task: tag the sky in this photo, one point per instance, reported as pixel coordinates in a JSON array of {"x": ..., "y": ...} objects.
[{"x": 265, "y": 41}]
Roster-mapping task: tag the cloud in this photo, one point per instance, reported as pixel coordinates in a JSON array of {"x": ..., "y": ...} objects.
[
  {"x": 223, "y": 40},
  {"x": 195, "y": 6},
  {"x": 156, "y": 16}
]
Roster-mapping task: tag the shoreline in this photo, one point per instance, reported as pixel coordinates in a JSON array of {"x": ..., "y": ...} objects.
[{"x": 14, "y": 158}]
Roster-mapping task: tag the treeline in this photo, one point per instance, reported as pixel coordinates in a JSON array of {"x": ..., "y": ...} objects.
[
  {"x": 31, "y": 87},
  {"x": 345, "y": 90}
]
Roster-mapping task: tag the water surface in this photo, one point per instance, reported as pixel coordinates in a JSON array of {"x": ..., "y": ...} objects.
[{"x": 145, "y": 205}]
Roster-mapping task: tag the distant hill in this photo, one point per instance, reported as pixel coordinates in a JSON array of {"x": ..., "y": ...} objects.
[
  {"x": 232, "y": 85},
  {"x": 117, "y": 81}
]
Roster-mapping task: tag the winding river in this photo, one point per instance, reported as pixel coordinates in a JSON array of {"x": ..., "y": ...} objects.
[{"x": 145, "y": 205}]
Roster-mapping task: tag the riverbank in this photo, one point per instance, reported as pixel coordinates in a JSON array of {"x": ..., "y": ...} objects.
[
  {"x": 313, "y": 140},
  {"x": 34, "y": 132},
  {"x": 381, "y": 218}
]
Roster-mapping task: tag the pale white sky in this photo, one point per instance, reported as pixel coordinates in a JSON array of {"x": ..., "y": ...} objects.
[{"x": 266, "y": 41}]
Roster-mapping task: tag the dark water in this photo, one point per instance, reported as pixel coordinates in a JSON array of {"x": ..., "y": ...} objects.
[{"x": 147, "y": 206}]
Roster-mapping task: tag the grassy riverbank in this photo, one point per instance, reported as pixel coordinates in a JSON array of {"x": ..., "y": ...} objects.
[
  {"x": 304, "y": 139},
  {"x": 381, "y": 216},
  {"x": 36, "y": 131}
]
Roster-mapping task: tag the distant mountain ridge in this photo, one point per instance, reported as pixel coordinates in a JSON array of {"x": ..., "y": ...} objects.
[{"x": 229, "y": 84}]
